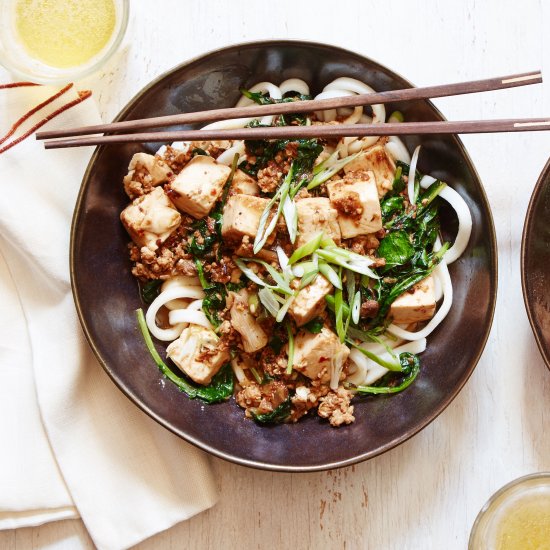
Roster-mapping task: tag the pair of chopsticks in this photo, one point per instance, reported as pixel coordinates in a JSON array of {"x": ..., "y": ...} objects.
[{"x": 319, "y": 131}]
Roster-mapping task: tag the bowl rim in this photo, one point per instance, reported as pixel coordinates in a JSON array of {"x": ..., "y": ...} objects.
[
  {"x": 493, "y": 275},
  {"x": 542, "y": 180}
]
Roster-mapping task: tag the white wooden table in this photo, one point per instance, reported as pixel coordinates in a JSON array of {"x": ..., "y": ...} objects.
[{"x": 427, "y": 492}]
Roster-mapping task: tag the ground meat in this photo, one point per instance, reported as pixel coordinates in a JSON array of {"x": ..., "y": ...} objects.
[
  {"x": 270, "y": 176},
  {"x": 364, "y": 244},
  {"x": 213, "y": 148},
  {"x": 186, "y": 267},
  {"x": 136, "y": 188},
  {"x": 140, "y": 184},
  {"x": 211, "y": 224},
  {"x": 246, "y": 248},
  {"x": 168, "y": 260},
  {"x": 229, "y": 337},
  {"x": 303, "y": 194},
  {"x": 220, "y": 272},
  {"x": 250, "y": 396},
  {"x": 369, "y": 309},
  {"x": 291, "y": 151},
  {"x": 206, "y": 354},
  {"x": 261, "y": 399},
  {"x": 306, "y": 398},
  {"x": 353, "y": 176},
  {"x": 226, "y": 329},
  {"x": 349, "y": 205},
  {"x": 272, "y": 363},
  {"x": 335, "y": 406},
  {"x": 176, "y": 159},
  {"x": 139, "y": 181},
  {"x": 273, "y": 394}
]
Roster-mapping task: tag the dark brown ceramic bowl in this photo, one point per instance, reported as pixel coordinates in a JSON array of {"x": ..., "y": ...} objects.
[
  {"x": 535, "y": 263},
  {"x": 106, "y": 294}
]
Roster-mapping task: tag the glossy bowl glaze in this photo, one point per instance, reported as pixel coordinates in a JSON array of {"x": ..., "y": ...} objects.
[
  {"x": 106, "y": 294},
  {"x": 535, "y": 263}
]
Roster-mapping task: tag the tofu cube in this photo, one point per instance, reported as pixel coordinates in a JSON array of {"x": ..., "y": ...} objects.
[
  {"x": 197, "y": 354},
  {"x": 244, "y": 184},
  {"x": 316, "y": 215},
  {"x": 415, "y": 306},
  {"x": 356, "y": 199},
  {"x": 145, "y": 172},
  {"x": 241, "y": 217},
  {"x": 253, "y": 336},
  {"x": 310, "y": 301},
  {"x": 313, "y": 353},
  {"x": 198, "y": 186},
  {"x": 377, "y": 160},
  {"x": 151, "y": 219}
]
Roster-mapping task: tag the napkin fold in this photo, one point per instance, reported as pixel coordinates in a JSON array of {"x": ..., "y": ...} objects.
[{"x": 73, "y": 444}]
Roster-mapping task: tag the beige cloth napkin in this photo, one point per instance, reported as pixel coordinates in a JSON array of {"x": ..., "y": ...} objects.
[{"x": 72, "y": 443}]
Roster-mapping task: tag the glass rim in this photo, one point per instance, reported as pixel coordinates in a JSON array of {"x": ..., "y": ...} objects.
[
  {"x": 73, "y": 73},
  {"x": 487, "y": 508}
]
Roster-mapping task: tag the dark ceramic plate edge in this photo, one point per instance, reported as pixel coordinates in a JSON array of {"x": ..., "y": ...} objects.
[
  {"x": 525, "y": 238},
  {"x": 251, "y": 463}
]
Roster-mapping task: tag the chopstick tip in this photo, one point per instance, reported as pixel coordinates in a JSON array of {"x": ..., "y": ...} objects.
[{"x": 534, "y": 78}]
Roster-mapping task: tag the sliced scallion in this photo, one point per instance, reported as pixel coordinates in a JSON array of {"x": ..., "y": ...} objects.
[
  {"x": 308, "y": 278},
  {"x": 251, "y": 275},
  {"x": 280, "y": 195},
  {"x": 350, "y": 285},
  {"x": 284, "y": 308},
  {"x": 307, "y": 249},
  {"x": 275, "y": 275},
  {"x": 290, "y": 214},
  {"x": 281, "y": 283},
  {"x": 283, "y": 258},
  {"x": 359, "y": 266},
  {"x": 394, "y": 365},
  {"x": 332, "y": 306},
  {"x": 229, "y": 180},
  {"x": 327, "y": 163},
  {"x": 356, "y": 307},
  {"x": 330, "y": 274},
  {"x": 339, "y": 314},
  {"x": 290, "y": 360},
  {"x": 256, "y": 375},
  {"x": 327, "y": 173},
  {"x": 269, "y": 301}
]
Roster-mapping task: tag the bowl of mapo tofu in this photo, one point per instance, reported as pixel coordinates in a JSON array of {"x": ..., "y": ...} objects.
[{"x": 288, "y": 289}]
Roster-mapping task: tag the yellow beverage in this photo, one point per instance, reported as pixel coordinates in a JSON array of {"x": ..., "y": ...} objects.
[
  {"x": 525, "y": 524},
  {"x": 64, "y": 33}
]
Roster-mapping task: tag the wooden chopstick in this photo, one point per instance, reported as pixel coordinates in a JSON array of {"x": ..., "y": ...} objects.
[
  {"x": 317, "y": 131},
  {"x": 444, "y": 90}
]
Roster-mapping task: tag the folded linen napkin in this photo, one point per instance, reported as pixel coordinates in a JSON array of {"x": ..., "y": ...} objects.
[{"x": 73, "y": 444}]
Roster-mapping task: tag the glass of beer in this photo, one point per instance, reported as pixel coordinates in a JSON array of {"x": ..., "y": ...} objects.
[
  {"x": 58, "y": 41},
  {"x": 516, "y": 517}
]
